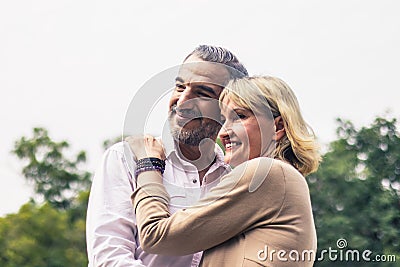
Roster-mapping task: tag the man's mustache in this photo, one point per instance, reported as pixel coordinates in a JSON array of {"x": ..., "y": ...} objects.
[{"x": 185, "y": 112}]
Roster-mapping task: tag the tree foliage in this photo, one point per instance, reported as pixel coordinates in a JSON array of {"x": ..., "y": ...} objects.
[
  {"x": 55, "y": 177},
  {"x": 355, "y": 193},
  {"x": 42, "y": 236},
  {"x": 52, "y": 233}
]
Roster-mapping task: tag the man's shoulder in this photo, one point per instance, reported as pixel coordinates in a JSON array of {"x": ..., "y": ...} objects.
[
  {"x": 118, "y": 147},
  {"x": 121, "y": 150},
  {"x": 119, "y": 153}
]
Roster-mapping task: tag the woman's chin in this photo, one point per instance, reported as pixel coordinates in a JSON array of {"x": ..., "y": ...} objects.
[
  {"x": 232, "y": 161},
  {"x": 228, "y": 160}
]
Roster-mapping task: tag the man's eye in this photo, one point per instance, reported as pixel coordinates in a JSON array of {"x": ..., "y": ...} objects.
[
  {"x": 203, "y": 95},
  {"x": 222, "y": 119},
  {"x": 179, "y": 87}
]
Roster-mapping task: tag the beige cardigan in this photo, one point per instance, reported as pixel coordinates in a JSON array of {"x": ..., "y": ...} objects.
[{"x": 258, "y": 215}]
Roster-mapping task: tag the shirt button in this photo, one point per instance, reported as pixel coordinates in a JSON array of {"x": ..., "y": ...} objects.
[{"x": 194, "y": 181}]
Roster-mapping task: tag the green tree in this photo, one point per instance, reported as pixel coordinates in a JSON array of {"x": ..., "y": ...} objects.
[
  {"x": 355, "y": 193},
  {"x": 42, "y": 236},
  {"x": 51, "y": 233},
  {"x": 56, "y": 178}
]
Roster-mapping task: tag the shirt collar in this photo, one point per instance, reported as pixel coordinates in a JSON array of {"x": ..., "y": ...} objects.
[{"x": 220, "y": 157}]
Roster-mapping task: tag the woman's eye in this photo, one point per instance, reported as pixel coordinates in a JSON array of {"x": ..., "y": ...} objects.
[{"x": 241, "y": 116}]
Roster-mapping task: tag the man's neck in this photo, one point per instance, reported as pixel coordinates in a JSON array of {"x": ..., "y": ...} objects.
[{"x": 202, "y": 156}]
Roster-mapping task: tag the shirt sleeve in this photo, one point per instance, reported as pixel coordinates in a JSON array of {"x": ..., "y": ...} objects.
[
  {"x": 251, "y": 194},
  {"x": 110, "y": 223}
]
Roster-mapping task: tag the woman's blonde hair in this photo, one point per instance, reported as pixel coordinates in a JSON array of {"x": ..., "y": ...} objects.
[{"x": 261, "y": 94}]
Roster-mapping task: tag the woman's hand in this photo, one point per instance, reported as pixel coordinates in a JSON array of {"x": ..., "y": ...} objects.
[{"x": 146, "y": 146}]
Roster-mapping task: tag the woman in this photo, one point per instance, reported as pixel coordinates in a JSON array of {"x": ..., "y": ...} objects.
[{"x": 260, "y": 213}]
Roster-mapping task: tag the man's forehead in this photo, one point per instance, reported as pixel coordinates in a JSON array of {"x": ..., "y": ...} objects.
[
  {"x": 197, "y": 70},
  {"x": 193, "y": 81}
]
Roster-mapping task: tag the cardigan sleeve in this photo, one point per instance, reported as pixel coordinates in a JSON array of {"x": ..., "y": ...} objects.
[{"x": 251, "y": 195}]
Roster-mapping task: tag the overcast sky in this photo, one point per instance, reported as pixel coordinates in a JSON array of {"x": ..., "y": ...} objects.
[{"x": 73, "y": 66}]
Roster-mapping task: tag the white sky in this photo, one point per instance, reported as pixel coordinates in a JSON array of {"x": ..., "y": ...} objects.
[{"x": 73, "y": 66}]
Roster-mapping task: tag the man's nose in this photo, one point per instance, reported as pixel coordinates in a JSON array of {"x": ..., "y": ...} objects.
[{"x": 186, "y": 98}]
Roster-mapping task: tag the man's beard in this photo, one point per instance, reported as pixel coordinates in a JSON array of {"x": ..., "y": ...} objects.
[{"x": 194, "y": 136}]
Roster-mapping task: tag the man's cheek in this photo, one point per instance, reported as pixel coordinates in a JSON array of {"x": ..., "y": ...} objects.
[
  {"x": 174, "y": 99},
  {"x": 211, "y": 111}
]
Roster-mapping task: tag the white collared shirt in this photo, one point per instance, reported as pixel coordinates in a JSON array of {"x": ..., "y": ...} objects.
[{"x": 111, "y": 232}]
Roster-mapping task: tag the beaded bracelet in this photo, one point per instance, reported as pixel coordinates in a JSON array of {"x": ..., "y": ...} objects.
[
  {"x": 145, "y": 169},
  {"x": 149, "y": 164},
  {"x": 146, "y": 162}
]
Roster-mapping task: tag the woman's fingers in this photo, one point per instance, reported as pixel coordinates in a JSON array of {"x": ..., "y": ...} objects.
[{"x": 146, "y": 146}]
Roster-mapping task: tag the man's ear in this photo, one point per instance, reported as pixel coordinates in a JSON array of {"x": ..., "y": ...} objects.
[{"x": 280, "y": 131}]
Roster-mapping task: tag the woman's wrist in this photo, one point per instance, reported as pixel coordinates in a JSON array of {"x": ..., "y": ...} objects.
[{"x": 147, "y": 178}]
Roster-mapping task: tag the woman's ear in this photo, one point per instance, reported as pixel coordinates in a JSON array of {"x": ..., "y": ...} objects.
[{"x": 280, "y": 131}]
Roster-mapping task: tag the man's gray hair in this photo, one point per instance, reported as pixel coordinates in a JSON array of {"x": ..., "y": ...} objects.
[{"x": 223, "y": 56}]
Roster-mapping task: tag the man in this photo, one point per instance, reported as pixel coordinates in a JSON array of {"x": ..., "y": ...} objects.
[{"x": 194, "y": 165}]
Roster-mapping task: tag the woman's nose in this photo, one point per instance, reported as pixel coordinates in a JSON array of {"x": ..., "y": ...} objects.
[{"x": 225, "y": 130}]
